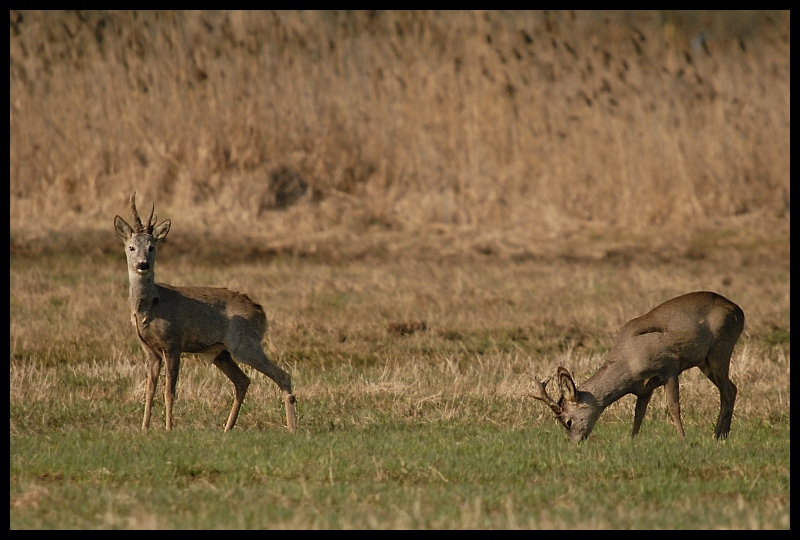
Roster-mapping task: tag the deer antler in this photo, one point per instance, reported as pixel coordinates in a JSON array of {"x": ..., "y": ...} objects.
[
  {"x": 136, "y": 219},
  {"x": 150, "y": 221},
  {"x": 540, "y": 393}
]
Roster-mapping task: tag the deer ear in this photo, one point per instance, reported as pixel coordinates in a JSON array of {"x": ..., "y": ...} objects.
[
  {"x": 567, "y": 385},
  {"x": 160, "y": 232},
  {"x": 124, "y": 230}
]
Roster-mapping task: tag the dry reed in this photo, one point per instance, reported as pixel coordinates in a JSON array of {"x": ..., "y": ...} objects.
[{"x": 354, "y": 132}]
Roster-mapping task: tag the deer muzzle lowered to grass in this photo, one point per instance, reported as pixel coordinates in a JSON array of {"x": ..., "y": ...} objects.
[{"x": 697, "y": 329}]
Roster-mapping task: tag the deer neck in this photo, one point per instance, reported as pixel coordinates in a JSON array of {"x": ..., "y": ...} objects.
[
  {"x": 143, "y": 292},
  {"x": 612, "y": 381}
]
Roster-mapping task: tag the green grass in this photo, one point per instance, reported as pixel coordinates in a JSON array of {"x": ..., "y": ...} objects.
[{"x": 423, "y": 475}]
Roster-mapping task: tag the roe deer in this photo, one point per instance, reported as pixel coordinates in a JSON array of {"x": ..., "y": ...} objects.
[
  {"x": 215, "y": 322},
  {"x": 695, "y": 329}
]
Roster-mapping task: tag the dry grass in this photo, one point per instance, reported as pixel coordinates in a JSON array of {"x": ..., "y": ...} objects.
[
  {"x": 480, "y": 331},
  {"x": 458, "y": 130}
]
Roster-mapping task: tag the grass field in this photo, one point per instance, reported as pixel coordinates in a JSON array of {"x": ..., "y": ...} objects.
[
  {"x": 433, "y": 208},
  {"x": 430, "y": 429}
]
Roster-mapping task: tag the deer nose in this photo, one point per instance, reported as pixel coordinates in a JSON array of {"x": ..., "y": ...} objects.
[{"x": 143, "y": 267}]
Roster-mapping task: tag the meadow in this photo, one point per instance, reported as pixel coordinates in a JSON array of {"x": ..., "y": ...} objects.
[
  {"x": 433, "y": 208},
  {"x": 412, "y": 381}
]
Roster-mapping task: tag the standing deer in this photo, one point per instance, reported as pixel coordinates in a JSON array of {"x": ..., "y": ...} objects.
[
  {"x": 218, "y": 323},
  {"x": 695, "y": 329}
]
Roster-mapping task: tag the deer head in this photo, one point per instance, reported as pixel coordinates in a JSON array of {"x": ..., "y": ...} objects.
[
  {"x": 576, "y": 411},
  {"x": 141, "y": 240}
]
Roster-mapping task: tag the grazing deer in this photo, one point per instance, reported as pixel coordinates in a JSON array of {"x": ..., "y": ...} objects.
[
  {"x": 695, "y": 329},
  {"x": 216, "y": 322}
]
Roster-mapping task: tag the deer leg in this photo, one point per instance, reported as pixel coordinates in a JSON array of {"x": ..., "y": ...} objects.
[
  {"x": 153, "y": 369},
  {"x": 673, "y": 401},
  {"x": 641, "y": 408},
  {"x": 727, "y": 397},
  {"x": 642, "y": 400},
  {"x": 256, "y": 357},
  {"x": 716, "y": 368},
  {"x": 173, "y": 367},
  {"x": 240, "y": 384},
  {"x": 291, "y": 413}
]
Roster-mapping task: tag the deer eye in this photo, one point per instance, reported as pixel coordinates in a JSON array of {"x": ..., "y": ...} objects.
[
  {"x": 131, "y": 248},
  {"x": 150, "y": 248}
]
